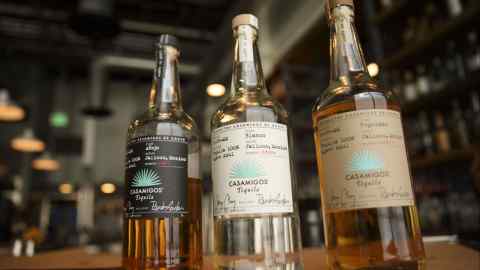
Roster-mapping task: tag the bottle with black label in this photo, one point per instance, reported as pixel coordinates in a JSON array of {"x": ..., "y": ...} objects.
[
  {"x": 256, "y": 223},
  {"x": 162, "y": 224},
  {"x": 368, "y": 203}
]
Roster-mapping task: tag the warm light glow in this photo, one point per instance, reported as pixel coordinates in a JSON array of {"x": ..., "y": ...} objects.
[
  {"x": 11, "y": 113},
  {"x": 216, "y": 90},
  {"x": 27, "y": 142},
  {"x": 65, "y": 188},
  {"x": 227, "y": 118},
  {"x": 45, "y": 163},
  {"x": 27, "y": 145},
  {"x": 108, "y": 188},
  {"x": 373, "y": 69}
]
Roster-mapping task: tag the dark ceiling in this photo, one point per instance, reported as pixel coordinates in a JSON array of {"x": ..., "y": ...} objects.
[{"x": 45, "y": 26}]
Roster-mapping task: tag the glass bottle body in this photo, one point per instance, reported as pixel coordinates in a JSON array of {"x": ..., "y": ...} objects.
[
  {"x": 371, "y": 238},
  {"x": 256, "y": 241},
  {"x": 164, "y": 242},
  {"x": 163, "y": 210},
  {"x": 256, "y": 223}
]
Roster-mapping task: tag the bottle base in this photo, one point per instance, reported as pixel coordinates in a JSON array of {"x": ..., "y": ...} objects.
[
  {"x": 292, "y": 262},
  {"x": 399, "y": 265},
  {"x": 134, "y": 264}
]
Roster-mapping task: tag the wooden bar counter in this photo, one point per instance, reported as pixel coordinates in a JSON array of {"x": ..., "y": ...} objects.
[{"x": 440, "y": 256}]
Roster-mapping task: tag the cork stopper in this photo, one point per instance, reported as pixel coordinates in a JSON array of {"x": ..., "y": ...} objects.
[
  {"x": 245, "y": 19},
  {"x": 331, "y": 4}
]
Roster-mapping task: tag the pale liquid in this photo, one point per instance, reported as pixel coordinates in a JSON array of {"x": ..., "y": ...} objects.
[
  {"x": 262, "y": 241},
  {"x": 166, "y": 242},
  {"x": 257, "y": 242},
  {"x": 375, "y": 238}
]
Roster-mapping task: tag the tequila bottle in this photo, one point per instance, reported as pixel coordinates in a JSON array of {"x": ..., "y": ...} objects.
[
  {"x": 162, "y": 223},
  {"x": 369, "y": 211},
  {"x": 256, "y": 223}
]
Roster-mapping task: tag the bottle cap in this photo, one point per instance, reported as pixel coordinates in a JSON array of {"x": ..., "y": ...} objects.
[
  {"x": 168, "y": 40},
  {"x": 331, "y": 4},
  {"x": 244, "y": 19}
]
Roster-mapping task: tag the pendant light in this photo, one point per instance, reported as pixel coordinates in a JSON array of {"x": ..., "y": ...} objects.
[
  {"x": 9, "y": 111},
  {"x": 27, "y": 142},
  {"x": 45, "y": 162}
]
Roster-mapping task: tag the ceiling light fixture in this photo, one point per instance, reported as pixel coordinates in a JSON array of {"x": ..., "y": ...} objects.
[
  {"x": 373, "y": 69},
  {"x": 9, "y": 111},
  {"x": 27, "y": 142},
  {"x": 216, "y": 90},
  {"x": 108, "y": 188},
  {"x": 65, "y": 188},
  {"x": 46, "y": 162}
]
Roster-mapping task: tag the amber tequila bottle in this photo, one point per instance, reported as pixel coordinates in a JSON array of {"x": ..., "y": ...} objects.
[
  {"x": 369, "y": 211},
  {"x": 162, "y": 224},
  {"x": 256, "y": 224}
]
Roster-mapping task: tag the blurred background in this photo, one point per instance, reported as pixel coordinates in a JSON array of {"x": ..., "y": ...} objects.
[{"x": 74, "y": 73}]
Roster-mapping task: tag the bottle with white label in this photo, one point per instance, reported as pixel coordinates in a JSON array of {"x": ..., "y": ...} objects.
[
  {"x": 256, "y": 223},
  {"x": 370, "y": 218},
  {"x": 163, "y": 210}
]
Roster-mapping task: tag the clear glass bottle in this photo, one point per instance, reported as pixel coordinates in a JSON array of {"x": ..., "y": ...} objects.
[
  {"x": 461, "y": 139},
  {"x": 162, "y": 224},
  {"x": 368, "y": 204},
  {"x": 442, "y": 136},
  {"x": 410, "y": 88},
  {"x": 423, "y": 84},
  {"x": 425, "y": 134},
  {"x": 454, "y": 62},
  {"x": 256, "y": 222},
  {"x": 455, "y": 7},
  {"x": 473, "y": 118},
  {"x": 472, "y": 57},
  {"x": 439, "y": 76}
]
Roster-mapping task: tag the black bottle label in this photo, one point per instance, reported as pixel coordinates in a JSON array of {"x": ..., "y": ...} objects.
[{"x": 156, "y": 176}]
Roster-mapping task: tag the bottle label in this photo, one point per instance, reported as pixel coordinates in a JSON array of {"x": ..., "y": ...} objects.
[
  {"x": 156, "y": 176},
  {"x": 363, "y": 161},
  {"x": 251, "y": 169}
]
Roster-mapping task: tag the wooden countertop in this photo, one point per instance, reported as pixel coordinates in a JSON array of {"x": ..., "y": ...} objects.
[{"x": 440, "y": 256}]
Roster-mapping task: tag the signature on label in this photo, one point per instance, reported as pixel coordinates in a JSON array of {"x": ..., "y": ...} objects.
[
  {"x": 348, "y": 199},
  {"x": 172, "y": 206}
]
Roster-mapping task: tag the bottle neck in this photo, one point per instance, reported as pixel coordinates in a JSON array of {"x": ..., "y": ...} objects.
[
  {"x": 247, "y": 73},
  {"x": 346, "y": 56},
  {"x": 165, "y": 91}
]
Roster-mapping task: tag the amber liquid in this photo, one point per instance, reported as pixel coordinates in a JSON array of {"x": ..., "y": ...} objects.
[
  {"x": 374, "y": 238},
  {"x": 166, "y": 242}
]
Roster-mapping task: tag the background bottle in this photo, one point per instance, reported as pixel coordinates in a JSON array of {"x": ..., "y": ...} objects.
[
  {"x": 368, "y": 203},
  {"x": 256, "y": 223},
  {"x": 442, "y": 136},
  {"x": 162, "y": 226}
]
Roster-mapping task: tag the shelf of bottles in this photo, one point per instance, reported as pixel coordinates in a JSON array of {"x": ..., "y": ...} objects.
[{"x": 433, "y": 66}]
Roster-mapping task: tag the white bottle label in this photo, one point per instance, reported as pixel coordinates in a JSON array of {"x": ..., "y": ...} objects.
[
  {"x": 251, "y": 169},
  {"x": 363, "y": 161}
]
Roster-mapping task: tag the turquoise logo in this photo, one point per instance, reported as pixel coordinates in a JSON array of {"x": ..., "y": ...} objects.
[
  {"x": 365, "y": 160},
  {"x": 246, "y": 169},
  {"x": 145, "y": 178}
]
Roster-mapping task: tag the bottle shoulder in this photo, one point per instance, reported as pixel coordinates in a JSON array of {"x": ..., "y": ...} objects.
[
  {"x": 354, "y": 97},
  {"x": 247, "y": 109},
  {"x": 177, "y": 123}
]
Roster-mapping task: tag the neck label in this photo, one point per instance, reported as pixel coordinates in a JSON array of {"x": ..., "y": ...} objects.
[
  {"x": 245, "y": 47},
  {"x": 251, "y": 169},
  {"x": 346, "y": 40},
  {"x": 165, "y": 76}
]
